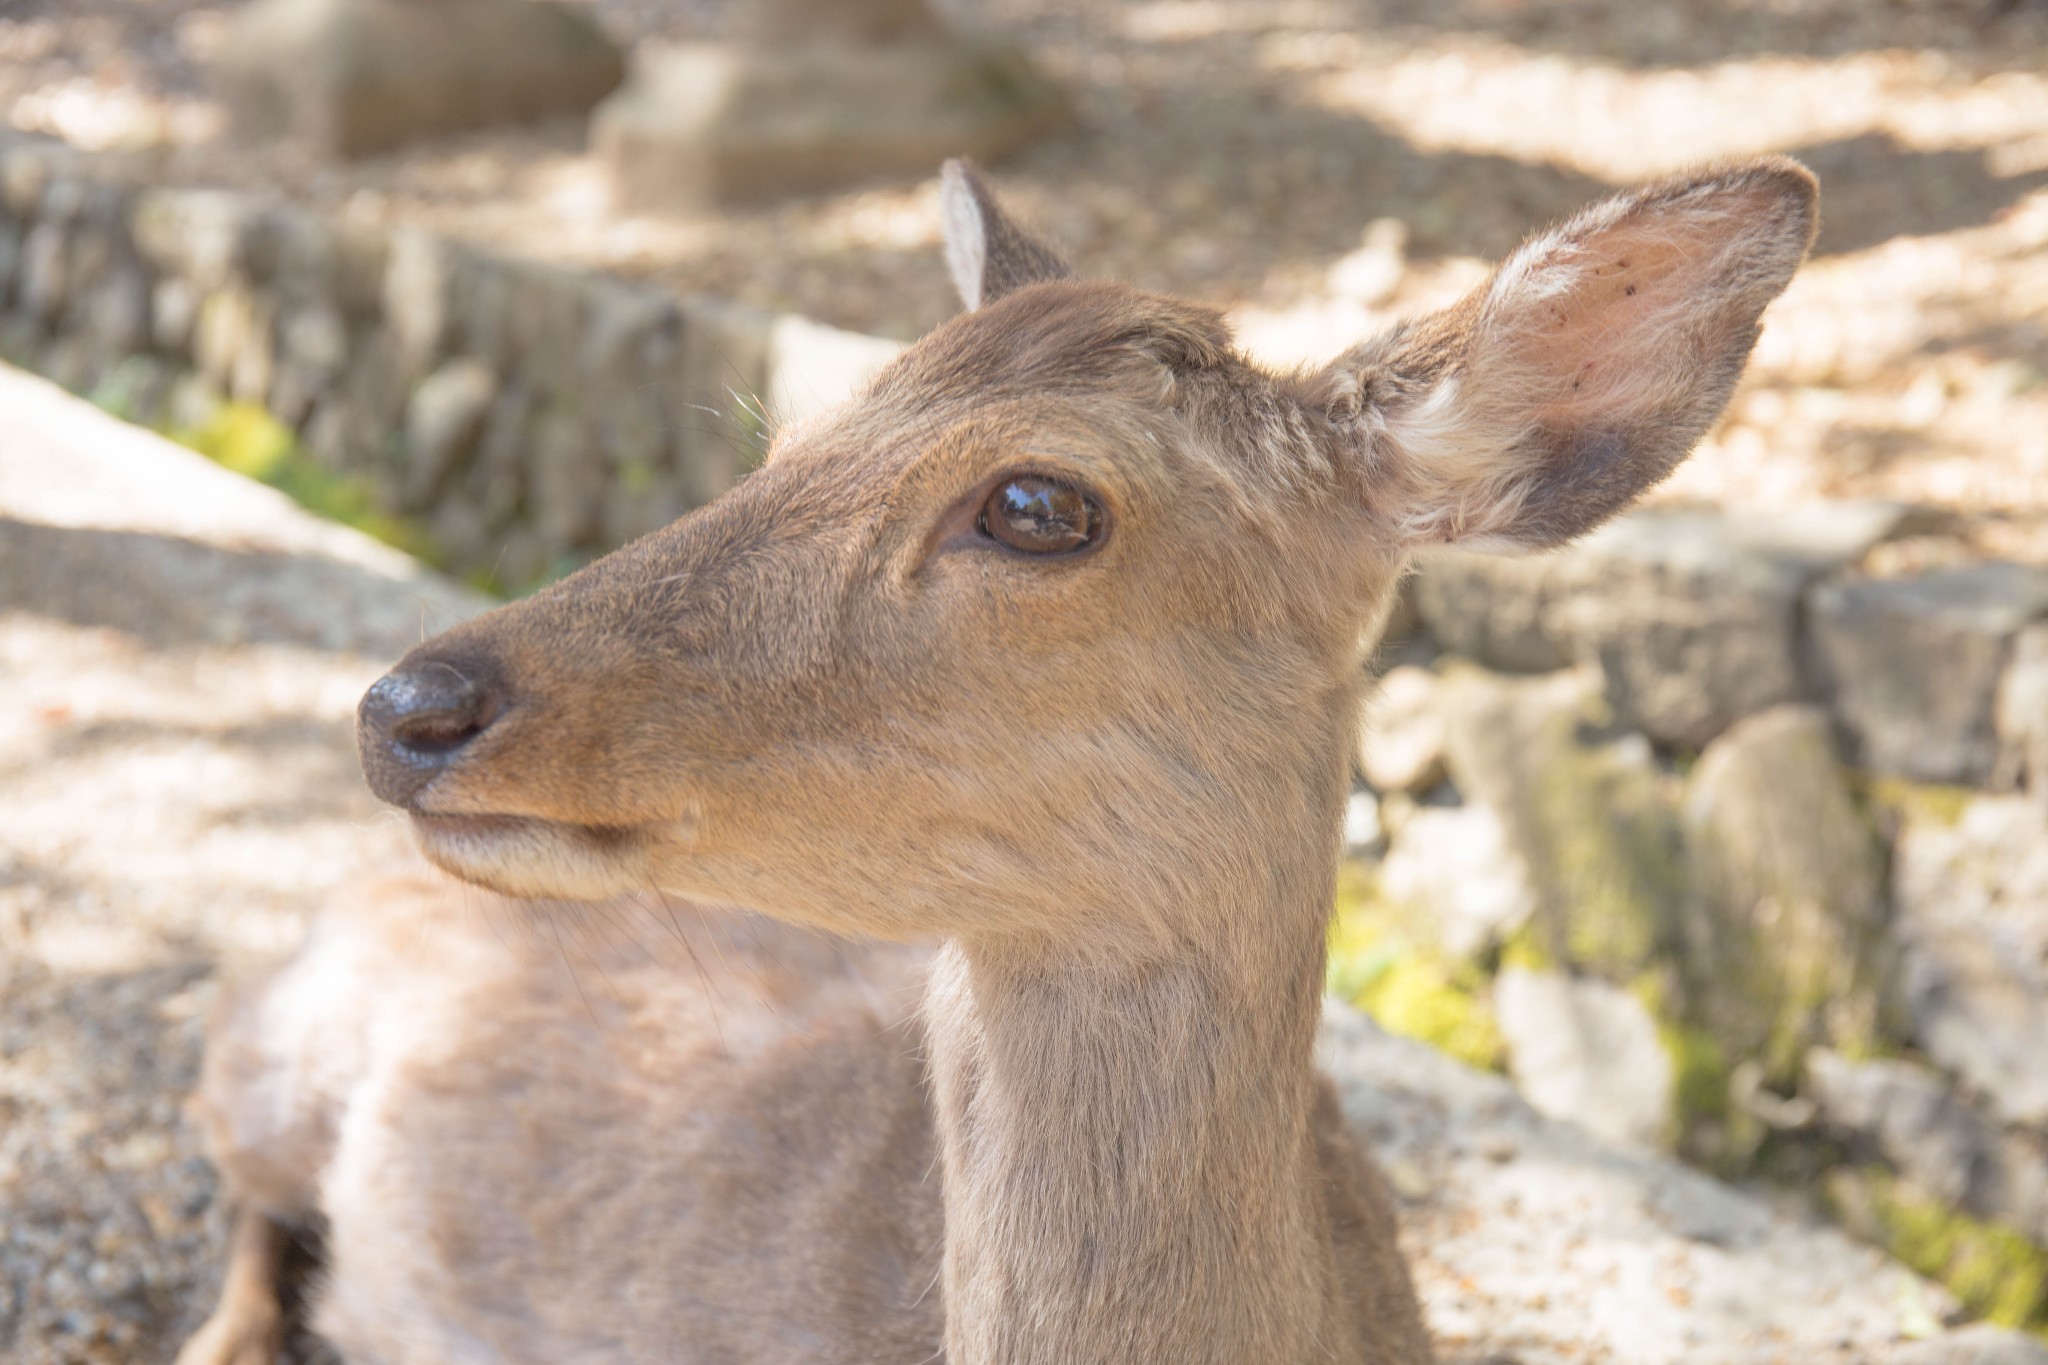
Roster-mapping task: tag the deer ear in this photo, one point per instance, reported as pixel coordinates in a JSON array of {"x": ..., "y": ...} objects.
[
  {"x": 988, "y": 255},
  {"x": 1582, "y": 373}
]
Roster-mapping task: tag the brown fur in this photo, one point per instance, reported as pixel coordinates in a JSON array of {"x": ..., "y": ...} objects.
[{"x": 1111, "y": 783}]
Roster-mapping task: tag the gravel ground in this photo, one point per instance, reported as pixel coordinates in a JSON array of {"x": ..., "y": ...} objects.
[
  {"x": 180, "y": 655},
  {"x": 1321, "y": 166}
]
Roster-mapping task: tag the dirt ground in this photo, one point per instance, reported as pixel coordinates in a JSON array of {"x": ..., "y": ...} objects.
[{"x": 1321, "y": 166}]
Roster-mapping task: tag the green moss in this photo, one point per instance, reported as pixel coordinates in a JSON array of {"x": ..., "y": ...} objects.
[
  {"x": 1997, "y": 1273},
  {"x": 636, "y": 478},
  {"x": 1927, "y": 801},
  {"x": 1379, "y": 963},
  {"x": 245, "y": 438},
  {"x": 1614, "y": 864},
  {"x": 1699, "y": 1068},
  {"x": 1525, "y": 949}
]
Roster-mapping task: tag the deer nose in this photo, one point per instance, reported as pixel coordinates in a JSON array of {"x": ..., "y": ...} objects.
[{"x": 416, "y": 719}]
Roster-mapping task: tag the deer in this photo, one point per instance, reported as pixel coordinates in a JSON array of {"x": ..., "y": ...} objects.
[{"x": 985, "y": 752}]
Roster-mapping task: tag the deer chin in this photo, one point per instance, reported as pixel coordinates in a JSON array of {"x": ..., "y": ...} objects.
[{"x": 520, "y": 855}]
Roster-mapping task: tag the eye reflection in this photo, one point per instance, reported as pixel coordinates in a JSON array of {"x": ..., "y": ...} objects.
[{"x": 1040, "y": 516}]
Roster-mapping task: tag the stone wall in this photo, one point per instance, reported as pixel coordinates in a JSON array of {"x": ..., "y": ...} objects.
[
  {"x": 517, "y": 418},
  {"x": 1719, "y": 841}
]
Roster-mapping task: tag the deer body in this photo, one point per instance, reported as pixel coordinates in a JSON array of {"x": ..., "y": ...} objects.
[{"x": 1047, "y": 648}]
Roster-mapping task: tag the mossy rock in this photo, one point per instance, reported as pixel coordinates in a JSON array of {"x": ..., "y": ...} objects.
[
  {"x": 1592, "y": 819},
  {"x": 1994, "y": 1271},
  {"x": 247, "y": 439},
  {"x": 1785, "y": 912},
  {"x": 1384, "y": 961}
]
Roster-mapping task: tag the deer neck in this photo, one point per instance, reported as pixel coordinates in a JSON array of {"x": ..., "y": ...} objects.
[{"x": 1129, "y": 1168}]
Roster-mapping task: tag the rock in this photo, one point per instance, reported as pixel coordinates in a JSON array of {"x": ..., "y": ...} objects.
[
  {"x": 1590, "y": 819},
  {"x": 1692, "y": 615},
  {"x": 135, "y": 389},
  {"x": 117, "y": 311},
  {"x": 1912, "y": 666},
  {"x": 199, "y": 236},
  {"x": 1457, "y": 868},
  {"x": 840, "y": 92},
  {"x": 354, "y": 77},
  {"x": 545, "y": 315},
  {"x": 1494, "y": 609},
  {"x": 1372, "y": 274},
  {"x": 1978, "y": 1344},
  {"x": 227, "y": 322},
  {"x": 174, "y": 312},
  {"x": 442, "y": 425},
  {"x": 813, "y": 368},
  {"x": 44, "y": 279},
  {"x": 718, "y": 413},
  {"x": 567, "y": 480},
  {"x": 1972, "y": 932},
  {"x": 419, "y": 287},
  {"x": 1909, "y": 1113},
  {"x": 1785, "y": 912},
  {"x": 1362, "y": 829},
  {"x": 1587, "y": 1052},
  {"x": 2021, "y": 717},
  {"x": 10, "y": 257},
  {"x": 1914, "y": 1117},
  {"x": 1996, "y": 1273},
  {"x": 1401, "y": 743}
]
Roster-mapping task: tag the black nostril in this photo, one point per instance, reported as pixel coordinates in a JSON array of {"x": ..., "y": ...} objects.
[
  {"x": 441, "y": 731},
  {"x": 416, "y": 718}
]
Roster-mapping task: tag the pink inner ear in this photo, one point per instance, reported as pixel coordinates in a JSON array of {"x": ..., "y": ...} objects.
[{"x": 1612, "y": 325}]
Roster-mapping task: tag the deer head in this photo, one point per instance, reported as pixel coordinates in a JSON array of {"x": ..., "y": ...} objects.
[{"x": 1062, "y": 618}]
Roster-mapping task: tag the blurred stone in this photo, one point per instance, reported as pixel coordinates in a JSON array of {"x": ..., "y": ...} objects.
[
  {"x": 1401, "y": 743},
  {"x": 813, "y": 368},
  {"x": 1909, "y": 1113},
  {"x": 1924, "y": 1127},
  {"x": 353, "y": 77},
  {"x": 442, "y": 425},
  {"x": 567, "y": 481},
  {"x": 1586, "y": 1051},
  {"x": 174, "y": 311},
  {"x": 1589, "y": 817},
  {"x": 829, "y": 92},
  {"x": 135, "y": 389},
  {"x": 226, "y": 329},
  {"x": 419, "y": 285},
  {"x": 546, "y": 310},
  {"x": 498, "y": 474},
  {"x": 1978, "y": 1344},
  {"x": 1972, "y": 928},
  {"x": 1456, "y": 866},
  {"x": 1372, "y": 274},
  {"x": 2021, "y": 719},
  {"x": 202, "y": 236},
  {"x": 10, "y": 259},
  {"x": 1495, "y": 610},
  {"x": 117, "y": 311},
  {"x": 1692, "y": 615},
  {"x": 1362, "y": 829},
  {"x": 1913, "y": 665},
  {"x": 43, "y": 278},
  {"x": 1784, "y": 912},
  {"x": 719, "y": 411}
]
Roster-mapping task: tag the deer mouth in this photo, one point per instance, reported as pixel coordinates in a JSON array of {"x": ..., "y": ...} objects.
[{"x": 520, "y": 855}]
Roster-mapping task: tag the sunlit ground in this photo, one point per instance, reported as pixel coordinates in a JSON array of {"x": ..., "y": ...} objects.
[{"x": 1323, "y": 166}]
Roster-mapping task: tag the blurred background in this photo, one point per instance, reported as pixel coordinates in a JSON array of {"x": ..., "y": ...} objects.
[{"x": 1723, "y": 836}]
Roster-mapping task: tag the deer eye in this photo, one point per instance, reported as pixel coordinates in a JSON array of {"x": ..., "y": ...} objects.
[{"x": 1040, "y": 516}]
